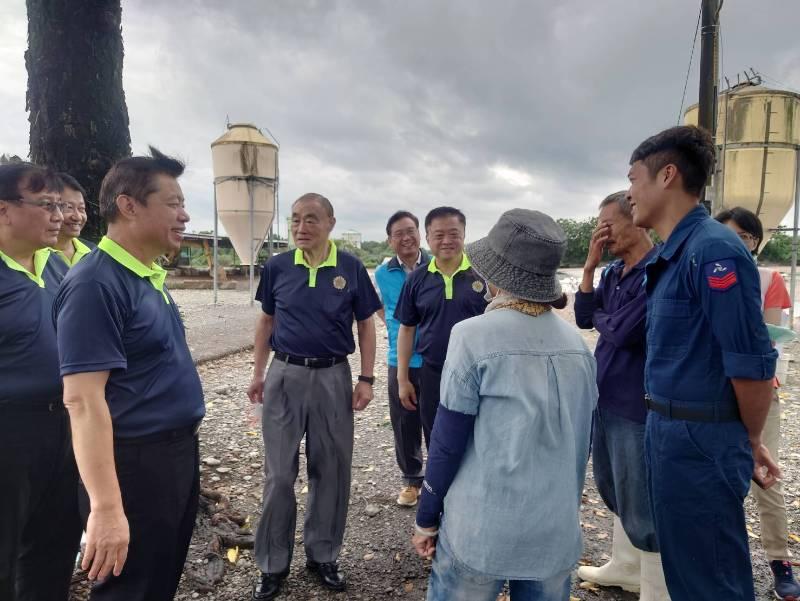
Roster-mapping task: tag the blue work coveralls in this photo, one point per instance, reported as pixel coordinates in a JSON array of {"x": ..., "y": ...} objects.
[{"x": 704, "y": 327}]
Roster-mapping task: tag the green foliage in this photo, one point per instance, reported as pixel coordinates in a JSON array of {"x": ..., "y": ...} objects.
[
  {"x": 371, "y": 253},
  {"x": 579, "y": 234},
  {"x": 777, "y": 250}
]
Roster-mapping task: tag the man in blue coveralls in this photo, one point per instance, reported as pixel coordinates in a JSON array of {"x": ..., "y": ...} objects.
[{"x": 708, "y": 373}]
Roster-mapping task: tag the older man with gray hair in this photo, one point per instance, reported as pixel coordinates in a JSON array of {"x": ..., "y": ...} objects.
[{"x": 617, "y": 310}]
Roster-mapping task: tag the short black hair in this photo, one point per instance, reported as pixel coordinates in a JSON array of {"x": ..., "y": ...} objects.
[
  {"x": 746, "y": 220},
  {"x": 397, "y": 217},
  {"x": 691, "y": 149},
  {"x": 135, "y": 177},
  {"x": 16, "y": 177},
  {"x": 71, "y": 183},
  {"x": 444, "y": 212}
]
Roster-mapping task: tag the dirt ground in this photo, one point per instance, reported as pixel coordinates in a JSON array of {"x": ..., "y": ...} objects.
[{"x": 377, "y": 557}]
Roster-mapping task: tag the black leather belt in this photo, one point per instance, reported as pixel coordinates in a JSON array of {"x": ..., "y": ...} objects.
[
  {"x": 310, "y": 362},
  {"x": 695, "y": 412}
]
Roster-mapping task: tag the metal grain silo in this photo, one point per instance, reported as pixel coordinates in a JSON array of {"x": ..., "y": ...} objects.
[{"x": 758, "y": 138}]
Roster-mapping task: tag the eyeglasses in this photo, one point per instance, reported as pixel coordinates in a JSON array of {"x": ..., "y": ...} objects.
[
  {"x": 400, "y": 234},
  {"x": 48, "y": 204}
]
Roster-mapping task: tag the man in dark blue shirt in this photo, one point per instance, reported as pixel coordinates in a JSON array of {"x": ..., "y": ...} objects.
[
  {"x": 708, "y": 373},
  {"x": 616, "y": 309},
  {"x": 39, "y": 522},
  {"x": 309, "y": 299},
  {"x": 133, "y": 393},
  {"x": 434, "y": 298}
]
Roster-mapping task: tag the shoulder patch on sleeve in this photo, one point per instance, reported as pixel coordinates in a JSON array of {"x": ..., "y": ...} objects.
[{"x": 721, "y": 275}]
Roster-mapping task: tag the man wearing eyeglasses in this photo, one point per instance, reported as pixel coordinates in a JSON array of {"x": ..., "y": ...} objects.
[
  {"x": 403, "y": 232},
  {"x": 39, "y": 522},
  {"x": 432, "y": 301}
]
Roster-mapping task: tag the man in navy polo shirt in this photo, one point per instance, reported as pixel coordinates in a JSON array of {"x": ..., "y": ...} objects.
[
  {"x": 434, "y": 299},
  {"x": 402, "y": 230},
  {"x": 708, "y": 374},
  {"x": 40, "y": 526},
  {"x": 133, "y": 393},
  {"x": 309, "y": 298}
]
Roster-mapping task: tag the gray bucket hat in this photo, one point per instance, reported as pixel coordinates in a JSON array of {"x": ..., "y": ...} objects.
[{"x": 521, "y": 255}]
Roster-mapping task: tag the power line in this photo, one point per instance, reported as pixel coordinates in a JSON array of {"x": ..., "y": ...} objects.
[{"x": 691, "y": 58}]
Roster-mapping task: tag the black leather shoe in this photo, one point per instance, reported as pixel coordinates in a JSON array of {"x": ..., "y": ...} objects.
[
  {"x": 268, "y": 586},
  {"x": 329, "y": 574}
]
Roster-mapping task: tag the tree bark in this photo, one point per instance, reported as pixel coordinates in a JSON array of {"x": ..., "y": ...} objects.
[{"x": 78, "y": 115}]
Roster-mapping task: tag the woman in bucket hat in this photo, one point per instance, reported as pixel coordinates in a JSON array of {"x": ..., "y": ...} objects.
[{"x": 502, "y": 492}]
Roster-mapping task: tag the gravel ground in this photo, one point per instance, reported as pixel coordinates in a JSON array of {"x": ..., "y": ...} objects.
[{"x": 377, "y": 556}]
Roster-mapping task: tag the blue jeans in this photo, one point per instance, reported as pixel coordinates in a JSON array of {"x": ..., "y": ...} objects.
[
  {"x": 699, "y": 475},
  {"x": 621, "y": 475},
  {"x": 451, "y": 580}
]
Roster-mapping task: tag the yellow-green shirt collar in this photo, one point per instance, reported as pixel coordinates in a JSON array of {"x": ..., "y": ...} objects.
[
  {"x": 448, "y": 279},
  {"x": 154, "y": 273},
  {"x": 81, "y": 250},
  {"x": 299, "y": 259},
  {"x": 40, "y": 258}
]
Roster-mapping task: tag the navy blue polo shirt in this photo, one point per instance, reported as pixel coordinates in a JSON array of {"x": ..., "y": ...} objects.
[
  {"x": 433, "y": 303},
  {"x": 114, "y": 313},
  {"x": 28, "y": 353},
  {"x": 314, "y": 306},
  {"x": 704, "y": 321}
]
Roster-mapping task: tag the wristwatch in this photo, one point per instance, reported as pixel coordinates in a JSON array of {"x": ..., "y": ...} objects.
[{"x": 368, "y": 379}]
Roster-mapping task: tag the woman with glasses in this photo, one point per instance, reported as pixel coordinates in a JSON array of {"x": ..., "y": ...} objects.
[
  {"x": 771, "y": 504},
  {"x": 69, "y": 247}
]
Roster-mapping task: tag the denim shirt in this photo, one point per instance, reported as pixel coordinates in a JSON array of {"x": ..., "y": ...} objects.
[{"x": 513, "y": 508}]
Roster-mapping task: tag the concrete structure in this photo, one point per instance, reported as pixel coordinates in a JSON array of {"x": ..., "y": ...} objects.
[{"x": 352, "y": 237}]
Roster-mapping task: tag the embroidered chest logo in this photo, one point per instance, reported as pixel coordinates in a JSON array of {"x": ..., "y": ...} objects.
[
  {"x": 339, "y": 282},
  {"x": 721, "y": 275},
  {"x": 477, "y": 286}
]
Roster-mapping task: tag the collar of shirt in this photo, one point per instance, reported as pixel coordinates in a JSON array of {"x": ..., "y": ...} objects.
[
  {"x": 682, "y": 231},
  {"x": 299, "y": 259},
  {"x": 448, "y": 279},
  {"x": 81, "y": 250},
  {"x": 155, "y": 274},
  {"x": 396, "y": 263},
  {"x": 39, "y": 261}
]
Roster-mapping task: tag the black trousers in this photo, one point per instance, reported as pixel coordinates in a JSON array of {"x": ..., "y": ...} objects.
[
  {"x": 160, "y": 485},
  {"x": 407, "y": 428},
  {"x": 40, "y": 528},
  {"x": 430, "y": 376}
]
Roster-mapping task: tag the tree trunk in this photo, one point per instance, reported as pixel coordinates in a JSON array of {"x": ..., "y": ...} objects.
[{"x": 78, "y": 115}]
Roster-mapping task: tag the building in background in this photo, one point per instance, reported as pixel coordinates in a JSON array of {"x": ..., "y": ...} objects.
[{"x": 352, "y": 237}]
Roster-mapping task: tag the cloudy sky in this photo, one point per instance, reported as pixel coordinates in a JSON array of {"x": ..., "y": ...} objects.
[{"x": 385, "y": 105}]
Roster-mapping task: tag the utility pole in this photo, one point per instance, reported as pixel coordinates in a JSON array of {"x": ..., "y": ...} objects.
[{"x": 707, "y": 117}]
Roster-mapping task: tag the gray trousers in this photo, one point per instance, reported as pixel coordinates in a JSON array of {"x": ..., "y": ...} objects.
[{"x": 316, "y": 403}]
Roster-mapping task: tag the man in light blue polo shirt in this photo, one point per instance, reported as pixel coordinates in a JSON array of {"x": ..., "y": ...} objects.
[{"x": 403, "y": 233}]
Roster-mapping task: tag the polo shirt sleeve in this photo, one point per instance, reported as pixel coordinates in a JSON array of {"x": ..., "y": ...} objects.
[
  {"x": 264, "y": 292},
  {"x": 727, "y": 283},
  {"x": 366, "y": 300},
  {"x": 406, "y": 311},
  {"x": 586, "y": 303},
  {"x": 460, "y": 383},
  {"x": 89, "y": 328}
]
